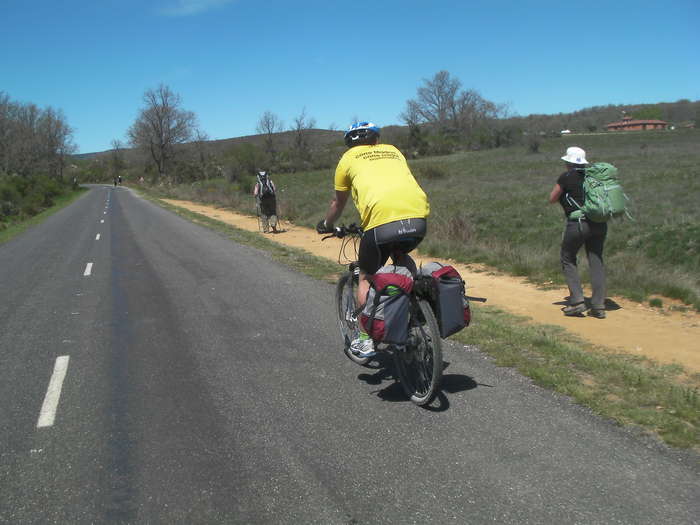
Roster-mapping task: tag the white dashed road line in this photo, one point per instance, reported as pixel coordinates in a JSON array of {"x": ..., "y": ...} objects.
[
  {"x": 53, "y": 393},
  {"x": 88, "y": 269}
]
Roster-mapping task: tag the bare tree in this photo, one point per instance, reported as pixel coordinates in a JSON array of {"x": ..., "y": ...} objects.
[
  {"x": 7, "y": 109},
  {"x": 116, "y": 158},
  {"x": 268, "y": 125},
  {"x": 301, "y": 126},
  {"x": 161, "y": 125},
  {"x": 201, "y": 147},
  {"x": 24, "y": 148},
  {"x": 435, "y": 101},
  {"x": 33, "y": 140},
  {"x": 55, "y": 138},
  {"x": 441, "y": 102}
]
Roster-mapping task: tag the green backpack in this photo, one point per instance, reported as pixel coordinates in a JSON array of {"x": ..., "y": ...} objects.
[{"x": 602, "y": 193}]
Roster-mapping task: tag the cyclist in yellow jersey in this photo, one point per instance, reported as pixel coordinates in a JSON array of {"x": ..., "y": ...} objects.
[{"x": 392, "y": 206}]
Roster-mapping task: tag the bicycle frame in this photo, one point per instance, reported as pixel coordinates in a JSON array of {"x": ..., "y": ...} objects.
[{"x": 419, "y": 362}]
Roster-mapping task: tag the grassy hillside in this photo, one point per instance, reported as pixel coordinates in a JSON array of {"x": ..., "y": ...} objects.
[{"x": 491, "y": 207}]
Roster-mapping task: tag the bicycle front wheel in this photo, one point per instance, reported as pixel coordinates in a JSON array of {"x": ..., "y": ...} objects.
[
  {"x": 419, "y": 363},
  {"x": 348, "y": 323}
]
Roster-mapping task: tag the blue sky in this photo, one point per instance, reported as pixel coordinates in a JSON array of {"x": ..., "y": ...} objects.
[{"x": 231, "y": 60}]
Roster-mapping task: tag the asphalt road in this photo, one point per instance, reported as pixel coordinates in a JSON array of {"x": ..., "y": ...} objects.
[{"x": 194, "y": 380}]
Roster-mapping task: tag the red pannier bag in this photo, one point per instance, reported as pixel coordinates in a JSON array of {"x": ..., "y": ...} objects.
[
  {"x": 385, "y": 314},
  {"x": 449, "y": 301}
]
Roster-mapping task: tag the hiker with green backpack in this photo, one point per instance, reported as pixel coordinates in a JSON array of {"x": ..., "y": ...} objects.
[{"x": 590, "y": 195}]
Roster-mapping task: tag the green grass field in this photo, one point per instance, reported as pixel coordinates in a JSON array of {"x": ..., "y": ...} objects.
[{"x": 491, "y": 207}]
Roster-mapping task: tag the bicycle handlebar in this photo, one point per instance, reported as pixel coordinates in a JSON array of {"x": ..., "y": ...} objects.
[
  {"x": 343, "y": 231},
  {"x": 353, "y": 229}
]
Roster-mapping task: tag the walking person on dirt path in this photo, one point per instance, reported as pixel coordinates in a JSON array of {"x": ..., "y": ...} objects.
[
  {"x": 392, "y": 206},
  {"x": 266, "y": 200},
  {"x": 579, "y": 232}
]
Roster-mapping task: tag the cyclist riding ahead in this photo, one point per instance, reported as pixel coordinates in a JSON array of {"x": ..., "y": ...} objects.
[{"x": 392, "y": 207}]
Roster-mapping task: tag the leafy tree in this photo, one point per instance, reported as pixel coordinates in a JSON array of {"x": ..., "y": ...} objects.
[
  {"x": 648, "y": 113},
  {"x": 245, "y": 160},
  {"x": 417, "y": 140}
]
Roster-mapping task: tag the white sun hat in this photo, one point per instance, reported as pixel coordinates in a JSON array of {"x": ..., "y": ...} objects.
[{"x": 575, "y": 155}]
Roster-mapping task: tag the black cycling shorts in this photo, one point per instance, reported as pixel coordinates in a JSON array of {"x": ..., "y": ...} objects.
[{"x": 379, "y": 243}]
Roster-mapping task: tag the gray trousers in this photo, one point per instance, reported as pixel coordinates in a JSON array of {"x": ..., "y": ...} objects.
[{"x": 592, "y": 236}]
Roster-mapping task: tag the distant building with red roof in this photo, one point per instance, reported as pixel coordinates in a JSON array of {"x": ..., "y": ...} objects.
[{"x": 628, "y": 124}]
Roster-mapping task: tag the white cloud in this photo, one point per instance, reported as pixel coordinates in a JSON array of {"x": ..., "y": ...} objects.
[{"x": 192, "y": 7}]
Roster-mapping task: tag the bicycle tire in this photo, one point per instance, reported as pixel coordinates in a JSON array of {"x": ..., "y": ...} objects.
[
  {"x": 347, "y": 322},
  {"x": 419, "y": 365}
]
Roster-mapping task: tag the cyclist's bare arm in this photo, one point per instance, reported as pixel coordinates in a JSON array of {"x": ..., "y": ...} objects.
[{"x": 336, "y": 207}]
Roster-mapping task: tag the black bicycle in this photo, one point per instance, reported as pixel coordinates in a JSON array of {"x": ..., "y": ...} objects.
[{"x": 418, "y": 363}]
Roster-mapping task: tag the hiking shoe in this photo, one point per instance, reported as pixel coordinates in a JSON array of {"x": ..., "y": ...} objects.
[
  {"x": 598, "y": 313},
  {"x": 575, "y": 309},
  {"x": 363, "y": 348}
]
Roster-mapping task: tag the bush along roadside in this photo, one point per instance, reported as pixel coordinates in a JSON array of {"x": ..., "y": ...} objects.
[
  {"x": 19, "y": 222},
  {"x": 24, "y": 197},
  {"x": 662, "y": 401}
]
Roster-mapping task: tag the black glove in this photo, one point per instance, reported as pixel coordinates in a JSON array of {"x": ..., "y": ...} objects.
[{"x": 322, "y": 228}]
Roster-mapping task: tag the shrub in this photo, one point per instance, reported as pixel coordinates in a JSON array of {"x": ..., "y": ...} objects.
[
  {"x": 533, "y": 143},
  {"x": 9, "y": 199},
  {"x": 32, "y": 204},
  {"x": 432, "y": 171},
  {"x": 22, "y": 197},
  {"x": 656, "y": 302}
]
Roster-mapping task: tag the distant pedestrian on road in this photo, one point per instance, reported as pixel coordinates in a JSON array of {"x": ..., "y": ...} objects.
[
  {"x": 266, "y": 200},
  {"x": 579, "y": 232}
]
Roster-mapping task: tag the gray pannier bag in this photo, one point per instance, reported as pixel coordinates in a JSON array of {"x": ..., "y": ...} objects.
[
  {"x": 447, "y": 297},
  {"x": 385, "y": 314}
]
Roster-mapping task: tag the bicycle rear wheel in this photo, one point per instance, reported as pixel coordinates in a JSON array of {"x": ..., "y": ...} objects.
[
  {"x": 347, "y": 320},
  {"x": 419, "y": 364}
]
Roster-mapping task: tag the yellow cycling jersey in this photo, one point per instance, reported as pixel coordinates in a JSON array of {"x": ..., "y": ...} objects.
[{"x": 383, "y": 187}]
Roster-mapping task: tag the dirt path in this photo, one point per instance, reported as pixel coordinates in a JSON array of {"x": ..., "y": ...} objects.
[{"x": 668, "y": 337}]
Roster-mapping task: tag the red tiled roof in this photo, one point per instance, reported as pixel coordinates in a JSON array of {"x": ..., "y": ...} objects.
[{"x": 636, "y": 122}]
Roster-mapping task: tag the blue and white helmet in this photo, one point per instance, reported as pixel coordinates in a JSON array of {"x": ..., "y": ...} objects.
[{"x": 361, "y": 133}]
